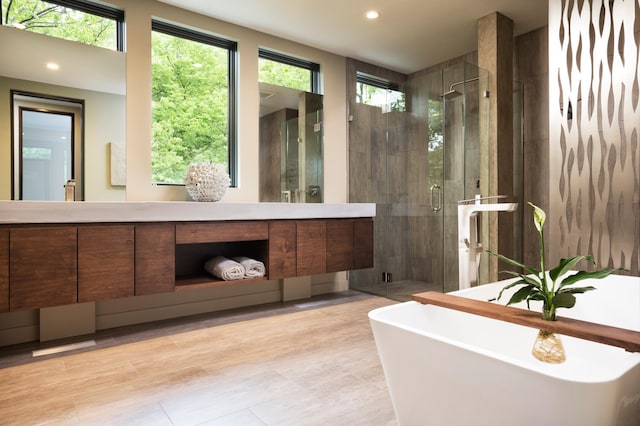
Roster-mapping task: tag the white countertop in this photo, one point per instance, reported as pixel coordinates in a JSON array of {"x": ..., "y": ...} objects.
[{"x": 169, "y": 211}]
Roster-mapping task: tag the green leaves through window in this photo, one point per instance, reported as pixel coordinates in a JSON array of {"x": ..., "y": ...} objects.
[{"x": 193, "y": 102}]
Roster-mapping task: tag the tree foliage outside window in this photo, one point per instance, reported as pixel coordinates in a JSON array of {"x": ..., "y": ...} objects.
[
  {"x": 387, "y": 99},
  {"x": 190, "y": 100},
  {"x": 436, "y": 139},
  {"x": 285, "y": 75},
  {"x": 58, "y": 21}
]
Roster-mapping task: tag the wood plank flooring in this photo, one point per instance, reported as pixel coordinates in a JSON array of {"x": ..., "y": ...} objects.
[{"x": 295, "y": 364}]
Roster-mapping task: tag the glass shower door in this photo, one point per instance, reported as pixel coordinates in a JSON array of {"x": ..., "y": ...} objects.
[
  {"x": 389, "y": 165},
  {"x": 416, "y": 164},
  {"x": 415, "y": 208},
  {"x": 463, "y": 105},
  {"x": 301, "y": 148}
]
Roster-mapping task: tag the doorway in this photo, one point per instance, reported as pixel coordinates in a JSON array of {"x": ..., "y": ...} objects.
[{"x": 47, "y": 146}]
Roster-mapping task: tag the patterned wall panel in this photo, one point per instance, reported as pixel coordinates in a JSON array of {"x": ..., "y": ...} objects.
[{"x": 594, "y": 130}]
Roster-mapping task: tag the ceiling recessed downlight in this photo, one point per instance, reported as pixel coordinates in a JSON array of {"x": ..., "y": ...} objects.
[
  {"x": 53, "y": 66},
  {"x": 372, "y": 14}
]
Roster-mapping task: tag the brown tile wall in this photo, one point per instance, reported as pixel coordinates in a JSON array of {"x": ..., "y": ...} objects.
[{"x": 531, "y": 69}]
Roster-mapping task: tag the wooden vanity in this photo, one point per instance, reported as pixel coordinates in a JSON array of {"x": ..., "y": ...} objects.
[{"x": 56, "y": 253}]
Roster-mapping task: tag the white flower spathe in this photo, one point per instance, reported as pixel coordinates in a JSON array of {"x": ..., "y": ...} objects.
[{"x": 207, "y": 181}]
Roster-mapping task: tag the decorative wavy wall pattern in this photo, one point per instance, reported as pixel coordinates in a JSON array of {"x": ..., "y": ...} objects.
[{"x": 594, "y": 120}]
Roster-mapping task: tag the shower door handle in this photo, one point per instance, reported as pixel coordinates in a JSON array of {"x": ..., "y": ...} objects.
[{"x": 436, "y": 190}]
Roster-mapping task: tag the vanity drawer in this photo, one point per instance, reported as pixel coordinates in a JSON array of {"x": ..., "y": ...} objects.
[
  {"x": 214, "y": 232},
  {"x": 43, "y": 267}
]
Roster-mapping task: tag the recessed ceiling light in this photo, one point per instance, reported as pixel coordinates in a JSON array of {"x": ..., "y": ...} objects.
[
  {"x": 53, "y": 66},
  {"x": 372, "y": 14}
]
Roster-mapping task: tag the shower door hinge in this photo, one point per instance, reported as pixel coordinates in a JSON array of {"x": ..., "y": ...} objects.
[{"x": 386, "y": 277}]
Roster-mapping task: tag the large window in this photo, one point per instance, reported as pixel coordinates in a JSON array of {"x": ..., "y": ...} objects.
[
  {"x": 287, "y": 71},
  {"x": 76, "y": 20},
  {"x": 378, "y": 92},
  {"x": 193, "y": 96}
]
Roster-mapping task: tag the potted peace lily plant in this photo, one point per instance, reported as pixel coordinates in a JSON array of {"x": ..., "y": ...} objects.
[{"x": 554, "y": 288}]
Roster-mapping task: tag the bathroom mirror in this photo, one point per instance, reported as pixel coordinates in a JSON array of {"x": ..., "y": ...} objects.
[
  {"x": 90, "y": 75},
  {"x": 291, "y": 145}
]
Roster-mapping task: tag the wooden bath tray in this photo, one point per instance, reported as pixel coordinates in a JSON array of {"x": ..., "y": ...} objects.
[{"x": 621, "y": 337}]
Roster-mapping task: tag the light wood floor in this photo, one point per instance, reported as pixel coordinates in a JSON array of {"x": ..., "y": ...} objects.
[{"x": 315, "y": 365}]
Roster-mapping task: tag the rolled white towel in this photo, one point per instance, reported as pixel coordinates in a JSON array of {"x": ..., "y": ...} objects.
[
  {"x": 252, "y": 268},
  {"x": 224, "y": 268}
]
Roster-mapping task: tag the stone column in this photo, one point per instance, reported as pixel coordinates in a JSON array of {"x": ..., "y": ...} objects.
[{"x": 495, "y": 54}]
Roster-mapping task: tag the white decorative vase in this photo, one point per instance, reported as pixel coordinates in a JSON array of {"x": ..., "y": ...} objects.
[{"x": 207, "y": 181}]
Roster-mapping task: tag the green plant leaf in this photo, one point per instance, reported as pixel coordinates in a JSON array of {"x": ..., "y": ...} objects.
[
  {"x": 565, "y": 266},
  {"x": 576, "y": 290},
  {"x": 513, "y": 284},
  {"x": 514, "y": 263},
  {"x": 532, "y": 280},
  {"x": 521, "y": 294},
  {"x": 538, "y": 295},
  {"x": 564, "y": 300},
  {"x": 535, "y": 295},
  {"x": 539, "y": 217},
  {"x": 583, "y": 275}
]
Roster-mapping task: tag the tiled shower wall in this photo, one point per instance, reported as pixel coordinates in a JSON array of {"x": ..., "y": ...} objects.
[
  {"x": 386, "y": 164},
  {"x": 531, "y": 69},
  {"x": 461, "y": 163},
  {"x": 389, "y": 165},
  {"x": 594, "y": 114}
]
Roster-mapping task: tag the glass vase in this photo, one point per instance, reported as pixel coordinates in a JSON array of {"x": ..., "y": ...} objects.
[{"x": 548, "y": 348}]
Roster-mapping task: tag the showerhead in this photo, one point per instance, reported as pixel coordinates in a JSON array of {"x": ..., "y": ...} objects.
[{"x": 451, "y": 94}]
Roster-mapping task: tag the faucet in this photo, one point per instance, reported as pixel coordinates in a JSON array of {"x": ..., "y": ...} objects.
[
  {"x": 469, "y": 244},
  {"x": 70, "y": 190}
]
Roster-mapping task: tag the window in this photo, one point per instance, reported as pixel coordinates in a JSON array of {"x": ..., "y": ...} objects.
[
  {"x": 76, "y": 20},
  {"x": 378, "y": 92},
  {"x": 287, "y": 71},
  {"x": 193, "y": 102}
]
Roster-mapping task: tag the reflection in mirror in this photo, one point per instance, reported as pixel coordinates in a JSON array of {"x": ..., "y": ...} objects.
[
  {"x": 46, "y": 148},
  {"x": 291, "y": 145},
  {"x": 92, "y": 75}
]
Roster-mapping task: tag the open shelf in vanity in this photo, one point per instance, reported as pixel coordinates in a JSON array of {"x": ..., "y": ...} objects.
[
  {"x": 190, "y": 260},
  {"x": 196, "y": 243}
]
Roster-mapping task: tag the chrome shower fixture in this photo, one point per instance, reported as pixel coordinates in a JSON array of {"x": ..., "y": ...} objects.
[{"x": 452, "y": 93}]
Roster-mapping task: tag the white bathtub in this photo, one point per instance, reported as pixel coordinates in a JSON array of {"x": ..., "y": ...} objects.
[{"x": 446, "y": 367}]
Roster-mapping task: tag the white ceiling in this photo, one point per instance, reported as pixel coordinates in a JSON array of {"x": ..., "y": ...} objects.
[{"x": 410, "y": 35}]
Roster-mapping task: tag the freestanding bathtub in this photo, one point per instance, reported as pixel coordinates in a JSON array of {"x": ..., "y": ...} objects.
[{"x": 447, "y": 367}]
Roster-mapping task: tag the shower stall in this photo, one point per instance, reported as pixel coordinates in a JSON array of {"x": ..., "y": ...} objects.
[{"x": 416, "y": 163}]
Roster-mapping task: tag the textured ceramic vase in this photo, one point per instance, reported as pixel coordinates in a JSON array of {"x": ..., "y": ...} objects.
[{"x": 207, "y": 181}]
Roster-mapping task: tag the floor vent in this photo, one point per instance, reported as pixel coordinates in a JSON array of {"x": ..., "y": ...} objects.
[
  {"x": 63, "y": 348},
  {"x": 311, "y": 304}
]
